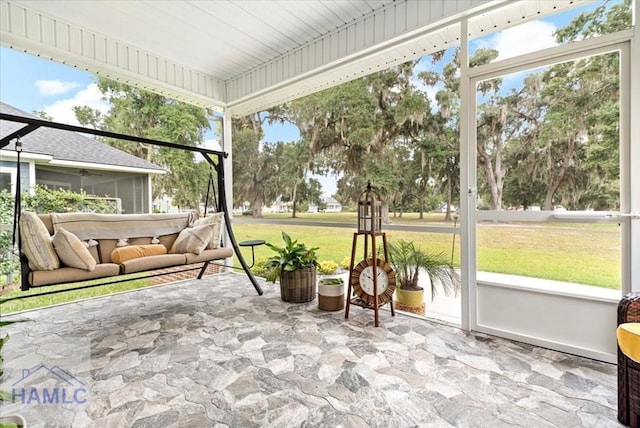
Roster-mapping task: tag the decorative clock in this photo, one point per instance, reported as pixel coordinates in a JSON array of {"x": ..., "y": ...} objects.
[
  {"x": 362, "y": 278},
  {"x": 373, "y": 276}
]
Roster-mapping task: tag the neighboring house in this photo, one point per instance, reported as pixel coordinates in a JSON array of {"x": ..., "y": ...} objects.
[
  {"x": 67, "y": 160},
  {"x": 331, "y": 205},
  {"x": 279, "y": 206}
]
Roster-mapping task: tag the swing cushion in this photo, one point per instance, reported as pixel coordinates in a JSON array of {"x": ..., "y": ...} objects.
[
  {"x": 101, "y": 238},
  {"x": 192, "y": 240},
  {"x": 36, "y": 243},
  {"x": 72, "y": 251},
  {"x": 216, "y": 220}
]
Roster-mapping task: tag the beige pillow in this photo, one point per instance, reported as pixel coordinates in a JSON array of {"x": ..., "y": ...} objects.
[
  {"x": 72, "y": 251},
  {"x": 192, "y": 240},
  {"x": 36, "y": 243},
  {"x": 215, "y": 219}
]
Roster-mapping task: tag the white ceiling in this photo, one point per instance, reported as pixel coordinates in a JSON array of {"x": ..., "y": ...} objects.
[{"x": 248, "y": 55}]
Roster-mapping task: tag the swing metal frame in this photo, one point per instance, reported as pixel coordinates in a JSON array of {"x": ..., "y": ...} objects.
[{"x": 214, "y": 158}]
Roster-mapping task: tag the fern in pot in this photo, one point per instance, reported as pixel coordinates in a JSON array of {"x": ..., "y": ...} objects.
[
  {"x": 408, "y": 261},
  {"x": 294, "y": 265}
]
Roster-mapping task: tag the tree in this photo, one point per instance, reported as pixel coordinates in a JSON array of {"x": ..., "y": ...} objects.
[
  {"x": 355, "y": 124},
  {"x": 445, "y": 126},
  {"x": 255, "y": 166},
  {"x": 293, "y": 167},
  {"x": 89, "y": 117},
  {"x": 569, "y": 152},
  {"x": 582, "y": 98},
  {"x": 43, "y": 115},
  {"x": 144, "y": 114}
]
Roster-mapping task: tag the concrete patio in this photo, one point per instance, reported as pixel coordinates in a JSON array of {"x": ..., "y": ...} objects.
[{"x": 212, "y": 353}]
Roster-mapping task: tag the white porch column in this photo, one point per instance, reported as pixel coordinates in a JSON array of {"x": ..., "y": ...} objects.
[
  {"x": 467, "y": 190},
  {"x": 227, "y": 140}
]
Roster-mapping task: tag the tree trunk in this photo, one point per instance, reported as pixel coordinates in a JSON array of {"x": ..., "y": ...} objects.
[
  {"x": 559, "y": 177},
  {"x": 447, "y": 216},
  {"x": 385, "y": 213},
  {"x": 294, "y": 197},
  {"x": 257, "y": 206},
  {"x": 495, "y": 189}
]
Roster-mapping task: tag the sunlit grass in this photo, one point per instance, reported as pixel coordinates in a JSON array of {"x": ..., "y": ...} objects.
[
  {"x": 67, "y": 296},
  {"x": 583, "y": 254}
]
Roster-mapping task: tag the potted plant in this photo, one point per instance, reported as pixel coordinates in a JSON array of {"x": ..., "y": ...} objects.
[
  {"x": 408, "y": 260},
  {"x": 295, "y": 267},
  {"x": 331, "y": 294}
]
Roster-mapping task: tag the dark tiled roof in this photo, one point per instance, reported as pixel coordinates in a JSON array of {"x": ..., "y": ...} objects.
[{"x": 69, "y": 146}]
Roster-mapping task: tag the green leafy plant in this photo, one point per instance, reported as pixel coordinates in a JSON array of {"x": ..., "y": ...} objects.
[
  {"x": 260, "y": 268},
  {"x": 408, "y": 259},
  {"x": 334, "y": 282},
  {"x": 45, "y": 200},
  {"x": 8, "y": 258},
  {"x": 292, "y": 256}
]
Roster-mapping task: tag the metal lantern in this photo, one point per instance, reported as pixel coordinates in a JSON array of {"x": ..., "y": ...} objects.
[{"x": 369, "y": 211}]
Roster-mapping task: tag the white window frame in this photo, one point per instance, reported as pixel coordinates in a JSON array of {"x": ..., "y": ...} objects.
[
  {"x": 13, "y": 172},
  {"x": 622, "y": 42}
]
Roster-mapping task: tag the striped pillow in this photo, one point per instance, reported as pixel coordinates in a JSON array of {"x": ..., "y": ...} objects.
[
  {"x": 192, "y": 240},
  {"x": 36, "y": 243}
]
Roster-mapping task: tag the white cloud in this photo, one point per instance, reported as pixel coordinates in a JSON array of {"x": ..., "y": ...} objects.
[
  {"x": 212, "y": 145},
  {"x": 62, "y": 111},
  {"x": 48, "y": 88},
  {"x": 529, "y": 37}
]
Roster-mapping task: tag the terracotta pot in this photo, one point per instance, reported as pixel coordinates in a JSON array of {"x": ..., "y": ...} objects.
[{"x": 298, "y": 286}]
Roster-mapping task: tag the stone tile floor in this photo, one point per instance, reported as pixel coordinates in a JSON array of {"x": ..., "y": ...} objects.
[{"x": 212, "y": 353}]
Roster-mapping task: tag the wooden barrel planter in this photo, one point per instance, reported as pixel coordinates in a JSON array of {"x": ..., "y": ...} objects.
[
  {"x": 299, "y": 285},
  {"x": 331, "y": 294}
]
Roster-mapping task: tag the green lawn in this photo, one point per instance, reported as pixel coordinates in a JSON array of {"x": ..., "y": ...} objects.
[
  {"x": 585, "y": 254},
  {"x": 580, "y": 253},
  {"x": 69, "y": 296}
]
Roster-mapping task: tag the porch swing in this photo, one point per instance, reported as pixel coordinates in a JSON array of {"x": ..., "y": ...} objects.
[{"x": 216, "y": 193}]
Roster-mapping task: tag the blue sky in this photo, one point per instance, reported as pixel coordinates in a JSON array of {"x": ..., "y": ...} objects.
[{"x": 33, "y": 84}]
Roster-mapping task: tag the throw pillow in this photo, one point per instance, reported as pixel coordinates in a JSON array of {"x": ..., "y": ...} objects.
[
  {"x": 215, "y": 219},
  {"x": 72, "y": 251},
  {"x": 122, "y": 254},
  {"x": 36, "y": 243},
  {"x": 192, "y": 240}
]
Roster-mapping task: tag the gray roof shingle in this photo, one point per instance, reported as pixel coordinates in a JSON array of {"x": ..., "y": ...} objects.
[{"x": 69, "y": 146}]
